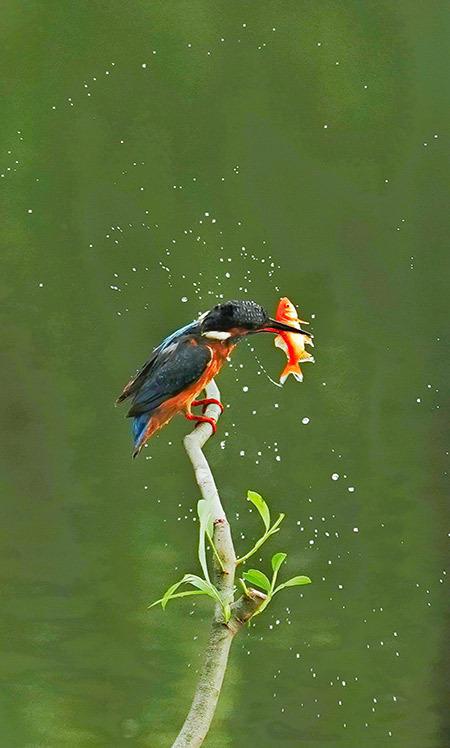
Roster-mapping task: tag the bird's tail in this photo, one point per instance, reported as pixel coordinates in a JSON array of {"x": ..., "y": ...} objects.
[
  {"x": 144, "y": 426},
  {"x": 140, "y": 429}
]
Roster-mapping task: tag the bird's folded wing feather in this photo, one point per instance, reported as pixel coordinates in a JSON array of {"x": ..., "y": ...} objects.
[
  {"x": 176, "y": 368},
  {"x": 167, "y": 344},
  {"x": 135, "y": 382}
]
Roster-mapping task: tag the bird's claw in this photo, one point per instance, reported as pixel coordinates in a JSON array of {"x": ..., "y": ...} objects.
[
  {"x": 208, "y": 401},
  {"x": 205, "y": 419},
  {"x": 202, "y": 419}
]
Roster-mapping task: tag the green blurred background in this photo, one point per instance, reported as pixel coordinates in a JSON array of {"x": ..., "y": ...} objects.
[{"x": 155, "y": 157}]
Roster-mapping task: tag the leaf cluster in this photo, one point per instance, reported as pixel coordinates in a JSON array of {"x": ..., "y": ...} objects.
[{"x": 255, "y": 577}]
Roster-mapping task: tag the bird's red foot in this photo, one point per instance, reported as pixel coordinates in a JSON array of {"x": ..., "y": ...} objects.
[
  {"x": 208, "y": 401},
  {"x": 202, "y": 419}
]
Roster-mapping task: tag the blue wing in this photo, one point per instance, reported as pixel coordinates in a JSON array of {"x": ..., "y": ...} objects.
[
  {"x": 136, "y": 382},
  {"x": 174, "y": 370}
]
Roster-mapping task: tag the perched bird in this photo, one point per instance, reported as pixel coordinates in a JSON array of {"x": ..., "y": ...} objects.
[{"x": 182, "y": 365}]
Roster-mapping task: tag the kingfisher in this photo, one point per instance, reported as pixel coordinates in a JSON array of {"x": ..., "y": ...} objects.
[{"x": 180, "y": 367}]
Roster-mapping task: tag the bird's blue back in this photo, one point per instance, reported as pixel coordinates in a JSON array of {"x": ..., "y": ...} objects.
[{"x": 186, "y": 330}]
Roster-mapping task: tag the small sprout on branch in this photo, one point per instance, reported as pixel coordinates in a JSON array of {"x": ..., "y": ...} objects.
[
  {"x": 277, "y": 560},
  {"x": 255, "y": 577},
  {"x": 264, "y": 511},
  {"x": 258, "y": 578}
]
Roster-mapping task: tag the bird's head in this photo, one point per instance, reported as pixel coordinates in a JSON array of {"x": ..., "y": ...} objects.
[{"x": 235, "y": 319}]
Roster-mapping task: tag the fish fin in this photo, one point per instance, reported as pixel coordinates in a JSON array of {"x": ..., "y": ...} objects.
[
  {"x": 306, "y": 356},
  {"x": 291, "y": 369},
  {"x": 280, "y": 343}
]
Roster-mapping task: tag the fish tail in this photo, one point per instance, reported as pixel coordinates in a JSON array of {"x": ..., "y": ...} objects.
[{"x": 293, "y": 369}]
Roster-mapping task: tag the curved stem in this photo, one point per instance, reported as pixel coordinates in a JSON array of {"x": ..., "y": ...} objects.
[
  {"x": 221, "y": 634},
  {"x": 261, "y": 541}
]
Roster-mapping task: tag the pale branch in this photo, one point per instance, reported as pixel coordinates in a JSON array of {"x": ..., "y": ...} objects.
[{"x": 221, "y": 635}]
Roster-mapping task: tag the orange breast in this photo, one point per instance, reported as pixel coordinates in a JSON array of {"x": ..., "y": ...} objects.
[{"x": 220, "y": 351}]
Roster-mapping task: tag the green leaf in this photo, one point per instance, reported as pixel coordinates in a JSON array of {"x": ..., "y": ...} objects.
[
  {"x": 261, "y": 506},
  {"x": 293, "y": 582},
  {"x": 277, "y": 560},
  {"x": 204, "y": 515},
  {"x": 168, "y": 593},
  {"x": 186, "y": 593},
  {"x": 202, "y": 584},
  {"x": 254, "y": 576}
]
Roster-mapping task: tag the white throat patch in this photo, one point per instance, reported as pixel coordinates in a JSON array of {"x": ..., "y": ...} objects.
[{"x": 217, "y": 335}]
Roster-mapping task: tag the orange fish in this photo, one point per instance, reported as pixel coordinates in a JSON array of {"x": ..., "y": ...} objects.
[{"x": 293, "y": 344}]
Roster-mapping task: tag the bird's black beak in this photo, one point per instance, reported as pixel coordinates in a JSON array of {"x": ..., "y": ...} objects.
[{"x": 274, "y": 326}]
